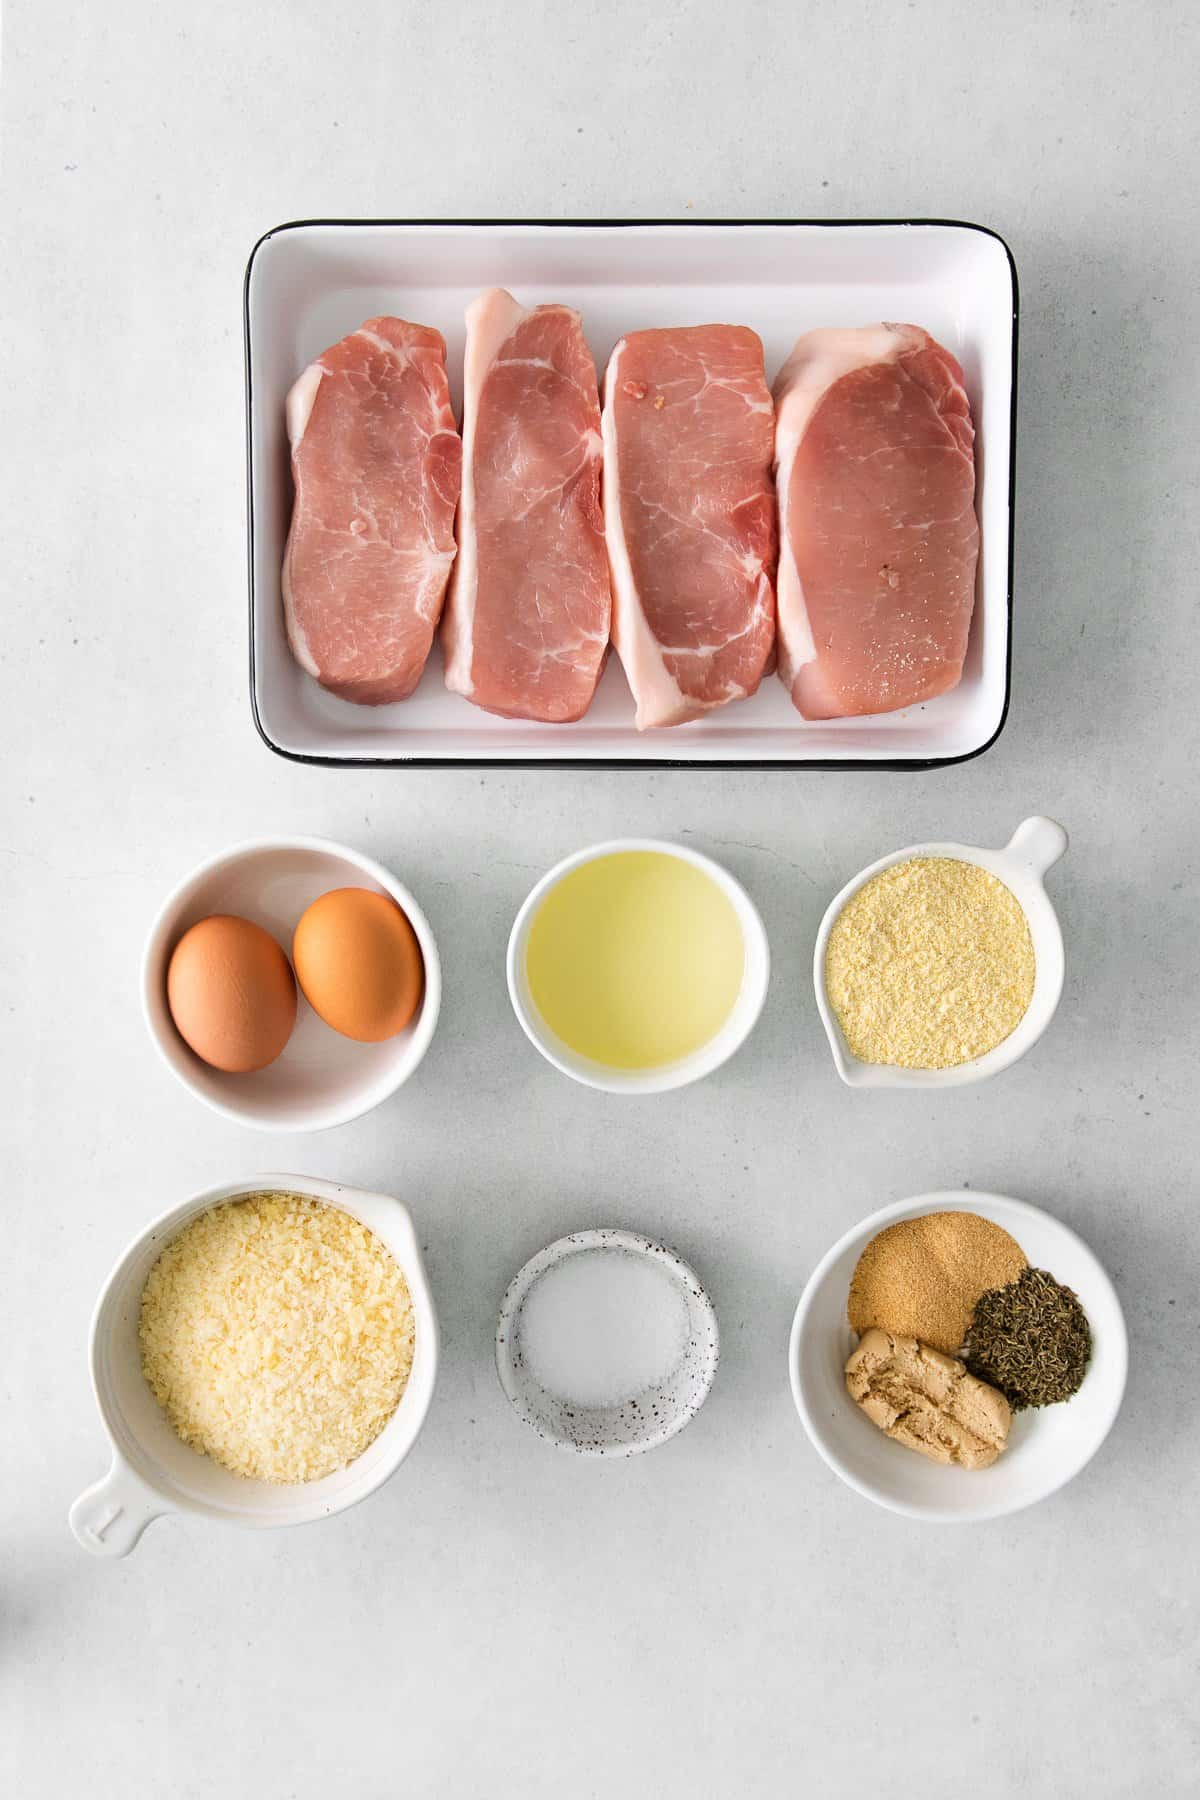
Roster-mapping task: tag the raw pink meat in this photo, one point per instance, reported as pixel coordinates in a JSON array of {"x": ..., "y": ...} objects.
[
  {"x": 377, "y": 462},
  {"x": 875, "y": 468},
  {"x": 526, "y": 626},
  {"x": 690, "y": 517}
]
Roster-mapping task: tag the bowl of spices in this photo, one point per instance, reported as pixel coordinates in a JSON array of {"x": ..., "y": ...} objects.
[
  {"x": 958, "y": 1356},
  {"x": 264, "y": 1354},
  {"x": 942, "y": 964},
  {"x": 606, "y": 1344},
  {"x": 637, "y": 966}
]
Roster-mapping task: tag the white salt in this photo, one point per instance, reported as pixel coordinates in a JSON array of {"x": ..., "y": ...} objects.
[{"x": 603, "y": 1326}]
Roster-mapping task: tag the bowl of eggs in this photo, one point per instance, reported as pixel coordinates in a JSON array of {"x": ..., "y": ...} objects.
[{"x": 291, "y": 984}]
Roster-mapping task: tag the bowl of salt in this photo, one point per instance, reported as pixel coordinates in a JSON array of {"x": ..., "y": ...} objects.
[{"x": 606, "y": 1343}]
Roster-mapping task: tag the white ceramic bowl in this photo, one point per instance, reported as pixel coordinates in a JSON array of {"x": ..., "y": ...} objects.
[
  {"x": 1046, "y": 1446},
  {"x": 639, "y": 1424},
  {"x": 154, "y": 1472},
  {"x": 1034, "y": 847},
  {"x": 308, "y": 283},
  {"x": 321, "y": 1078},
  {"x": 732, "y": 1035}
]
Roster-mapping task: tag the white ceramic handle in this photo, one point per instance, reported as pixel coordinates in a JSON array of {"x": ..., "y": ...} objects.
[
  {"x": 109, "y": 1517},
  {"x": 1038, "y": 843}
]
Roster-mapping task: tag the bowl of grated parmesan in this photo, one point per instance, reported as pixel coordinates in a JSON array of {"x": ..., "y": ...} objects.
[
  {"x": 942, "y": 964},
  {"x": 264, "y": 1354}
]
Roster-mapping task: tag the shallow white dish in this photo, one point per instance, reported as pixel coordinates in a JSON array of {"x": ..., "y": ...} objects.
[
  {"x": 1046, "y": 1447},
  {"x": 153, "y": 1471},
  {"x": 641, "y": 1423},
  {"x": 732, "y": 1035},
  {"x": 1035, "y": 846},
  {"x": 321, "y": 1078},
  {"x": 308, "y": 284}
]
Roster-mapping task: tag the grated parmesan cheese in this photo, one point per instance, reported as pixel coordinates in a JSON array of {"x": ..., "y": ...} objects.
[
  {"x": 930, "y": 964},
  {"x": 277, "y": 1335}
]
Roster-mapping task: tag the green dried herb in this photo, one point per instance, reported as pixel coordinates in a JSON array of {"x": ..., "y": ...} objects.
[{"x": 1030, "y": 1339}]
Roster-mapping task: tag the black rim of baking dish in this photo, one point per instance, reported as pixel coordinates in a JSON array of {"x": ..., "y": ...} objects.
[{"x": 400, "y": 760}]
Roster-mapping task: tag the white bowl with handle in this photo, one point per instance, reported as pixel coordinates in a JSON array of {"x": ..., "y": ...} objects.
[
  {"x": 1035, "y": 846},
  {"x": 153, "y": 1471},
  {"x": 1047, "y": 1445}
]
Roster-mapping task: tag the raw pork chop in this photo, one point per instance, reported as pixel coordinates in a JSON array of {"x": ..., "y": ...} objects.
[
  {"x": 377, "y": 463},
  {"x": 526, "y": 626},
  {"x": 690, "y": 517},
  {"x": 875, "y": 466}
]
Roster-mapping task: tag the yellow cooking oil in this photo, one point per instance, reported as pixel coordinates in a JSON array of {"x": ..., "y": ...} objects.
[{"x": 635, "y": 959}]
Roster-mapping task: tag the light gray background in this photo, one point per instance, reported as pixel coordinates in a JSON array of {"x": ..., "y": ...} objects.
[{"x": 722, "y": 1617}]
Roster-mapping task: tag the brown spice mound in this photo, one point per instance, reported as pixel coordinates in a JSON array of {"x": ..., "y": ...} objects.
[
  {"x": 927, "y": 1401},
  {"x": 922, "y": 1278}
]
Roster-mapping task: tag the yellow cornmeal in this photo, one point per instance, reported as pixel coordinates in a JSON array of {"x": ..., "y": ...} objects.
[{"x": 930, "y": 964}]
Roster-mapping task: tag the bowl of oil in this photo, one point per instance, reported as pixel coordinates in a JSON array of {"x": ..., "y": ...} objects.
[{"x": 637, "y": 966}]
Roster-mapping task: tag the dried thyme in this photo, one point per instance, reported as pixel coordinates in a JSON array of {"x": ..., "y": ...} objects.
[{"x": 1030, "y": 1339}]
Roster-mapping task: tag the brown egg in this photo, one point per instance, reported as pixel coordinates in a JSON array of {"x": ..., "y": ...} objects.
[
  {"x": 231, "y": 993},
  {"x": 359, "y": 963}
]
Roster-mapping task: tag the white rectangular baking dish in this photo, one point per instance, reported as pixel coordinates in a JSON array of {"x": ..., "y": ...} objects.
[{"x": 308, "y": 284}]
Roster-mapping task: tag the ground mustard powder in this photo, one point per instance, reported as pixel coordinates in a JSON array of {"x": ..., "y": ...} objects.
[{"x": 930, "y": 964}]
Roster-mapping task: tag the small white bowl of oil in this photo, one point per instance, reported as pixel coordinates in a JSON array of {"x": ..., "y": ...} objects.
[
  {"x": 637, "y": 966},
  {"x": 1035, "y": 846}
]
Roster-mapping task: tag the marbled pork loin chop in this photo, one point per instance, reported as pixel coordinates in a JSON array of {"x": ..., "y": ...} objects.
[
  {"x": 875, "y": 467},
  {"x": 376, "y": 461},
  {"x": 690, "y": 517},
  {"x": 526, "y": 627}
]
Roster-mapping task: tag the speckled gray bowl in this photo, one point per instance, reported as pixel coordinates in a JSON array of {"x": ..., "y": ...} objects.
[{"x": 637, "y": 1424}]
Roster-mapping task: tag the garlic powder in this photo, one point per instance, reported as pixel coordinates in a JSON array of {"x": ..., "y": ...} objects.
[{"x": 929, "y": 965}]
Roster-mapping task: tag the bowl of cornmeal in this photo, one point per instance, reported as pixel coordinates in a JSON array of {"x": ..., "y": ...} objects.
[
  {"x": 883, "y": 1374},
  {"x": 943, "y": 963}
]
